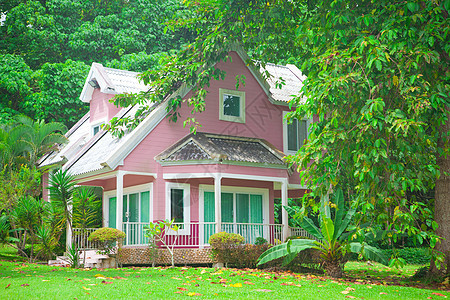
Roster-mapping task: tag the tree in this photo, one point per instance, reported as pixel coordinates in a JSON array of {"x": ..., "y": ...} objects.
[
  {"x": 61, "y": 189},
  {"x": 378, "y": 81},
  {"x": 46, "y": 47}
]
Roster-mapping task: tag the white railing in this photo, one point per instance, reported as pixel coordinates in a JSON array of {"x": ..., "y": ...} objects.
[
  {"x": 81, "y": 240},
  {"x": 297, "y": 231},
  {"x": 272, "y": 233},
  {"x": 192, "y": 235}
]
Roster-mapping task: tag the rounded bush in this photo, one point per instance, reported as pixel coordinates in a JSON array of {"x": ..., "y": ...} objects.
[
  {"x": 225, "y": 238},
  {"x": 106, "y": 234}
]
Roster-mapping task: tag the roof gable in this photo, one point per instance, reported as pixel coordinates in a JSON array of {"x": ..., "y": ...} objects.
[
  {"x": 110, "y": 81},
  {"x": 220, "y": 148}
]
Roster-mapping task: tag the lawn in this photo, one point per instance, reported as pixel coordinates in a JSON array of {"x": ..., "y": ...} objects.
[{"x": 33, "y": 281}]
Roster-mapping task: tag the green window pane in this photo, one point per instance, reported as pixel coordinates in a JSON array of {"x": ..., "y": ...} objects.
[
  {"x": 176, "y": 205},
  {"x": 227, "y": 207},
  {"x": 292, "y": 136},
  {"x": 302, "y": 132},
  {"x": 242, "y": 208},
  {"x": 125, "y": 208},
  {"x": 256, "y": 215},
  {"x": 112, "y": 212},
  {"x": 209, "y": 209},
  {"x": 231, "y": 105},
  {"x": 133, "y": 208},
  {"x": 96, "y": 129},
  {"x": 145, "y": 207}
]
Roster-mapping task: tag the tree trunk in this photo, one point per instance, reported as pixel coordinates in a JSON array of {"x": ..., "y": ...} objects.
[
  {"x": 442, "y": 198},
  {"x": 333, "y": 269}
]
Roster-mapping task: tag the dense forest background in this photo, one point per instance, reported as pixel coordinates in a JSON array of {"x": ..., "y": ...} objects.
[{"x": 47, "y": 47}]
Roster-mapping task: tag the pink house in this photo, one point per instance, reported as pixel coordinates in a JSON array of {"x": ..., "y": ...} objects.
[{"x": 224, "y": 178}]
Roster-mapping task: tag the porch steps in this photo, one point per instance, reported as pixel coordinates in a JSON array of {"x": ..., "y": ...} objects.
[{"x": 93, "y": 260}]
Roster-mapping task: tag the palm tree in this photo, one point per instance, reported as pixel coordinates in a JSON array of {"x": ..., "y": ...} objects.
[
  {"x": 40, "y": 137},
  {"x": 61, "y": 189}
]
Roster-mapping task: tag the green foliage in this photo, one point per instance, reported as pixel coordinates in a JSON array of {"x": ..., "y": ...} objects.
[
  {"x": 330, "y": 241},
  {"x": 260, "y": 241},
  {"x": 73, "y": 255},
  {"x": 416, "y": 256},
  {"x": 223, "y": 237},
  {"x": 106, "y": 234},
  {"x": 156, "y": 232},
  {"x": 47, "y": 46}
]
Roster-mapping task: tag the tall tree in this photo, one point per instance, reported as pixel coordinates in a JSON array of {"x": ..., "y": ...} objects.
[{"x": 378, "y": 81}]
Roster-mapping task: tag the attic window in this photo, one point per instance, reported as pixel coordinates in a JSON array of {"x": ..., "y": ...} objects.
[
  {"x": 96, "y": 128},
  {"x": 231, "y": 106}
]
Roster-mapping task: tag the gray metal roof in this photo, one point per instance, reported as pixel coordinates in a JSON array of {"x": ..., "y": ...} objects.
[
  {"x": 222, "y": 148},
  {"x": 124, "y": 81}
]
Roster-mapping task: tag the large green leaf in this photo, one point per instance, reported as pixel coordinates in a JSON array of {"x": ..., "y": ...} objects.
[
  {"x": 369, "y": 252},
  {"x": 309, "y": 226},
  {"x": 340, "y": 210},
  {"x": 343, "y": 226},
  {"x": 295, "y": 246},
  {"x": 327, "y": 229}
]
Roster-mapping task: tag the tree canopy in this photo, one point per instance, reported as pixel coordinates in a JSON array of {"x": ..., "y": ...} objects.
[
  {"x": 378, "y": 81},
  {"x": 46, "y": 48}
]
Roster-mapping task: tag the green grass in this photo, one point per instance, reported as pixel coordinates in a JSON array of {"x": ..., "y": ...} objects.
[{"x": 34, "y": 281}]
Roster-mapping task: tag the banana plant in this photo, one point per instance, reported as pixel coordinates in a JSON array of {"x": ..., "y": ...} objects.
[{"x": 330, "y": 239}]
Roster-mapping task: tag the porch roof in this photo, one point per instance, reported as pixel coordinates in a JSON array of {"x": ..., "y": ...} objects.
[{"x": 222, "y": 148}]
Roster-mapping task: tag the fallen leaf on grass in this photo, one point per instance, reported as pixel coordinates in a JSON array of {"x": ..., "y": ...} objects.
[
  {"x": 106, "y": 282},
  {"x": 8, "y": 285},
  {"x": 45, "y": 280},
  {"x": 351, "y": 297},
  {"x": 383, "y": 293},
  {"x": 248, "y": 282},
  {"x": 345, "y": 292},
  {"x": 176, "y": 278},
  {"x": 25, "y": 284},
  {"x": 193, "y": 294},
  {"x": 87, "y": 289},
  {"x": 118, "y": 277},
  {"x": 236, "y": 284},
  {"x": 263, "y": 290},
  {"x": 178, "y": 292},
  {"x": 182, "y": 288},
  {"x": 438, "y": 294}
]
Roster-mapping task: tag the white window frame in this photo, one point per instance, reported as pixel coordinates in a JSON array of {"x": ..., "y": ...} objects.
[
  {"x": 241, "y": 95},
  {"x": 285, "y": 132},
  {"x": 98, "y": 123},
  {"x": 186, "y": 206},
  {"x": 147, "y": 187},
  {"x": 234, "y": 190}
]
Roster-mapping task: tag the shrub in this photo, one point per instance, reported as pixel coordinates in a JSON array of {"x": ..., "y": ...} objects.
[
  {"x": 107, "y": 238},
  {"x": 261, "y": 241},
  {"x": 225, "y": 238},
  {"x": 417, "y": 256}
]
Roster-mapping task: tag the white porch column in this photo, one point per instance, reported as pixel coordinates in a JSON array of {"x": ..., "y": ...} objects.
[
  {"x": 119, "y": 199},
  {"x": 284, "y": 213},
  {"x": 69, "y": 229},
  {"x": 218, "y": 202}
]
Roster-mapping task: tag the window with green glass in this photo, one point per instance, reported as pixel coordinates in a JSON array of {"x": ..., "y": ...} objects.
[
  {"x": 297, "y": 133},
  {"x": 177, "y": 205},
  {"x": 231, "y": 105}
]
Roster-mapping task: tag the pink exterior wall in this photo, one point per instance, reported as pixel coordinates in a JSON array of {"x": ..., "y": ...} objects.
[
  {"x": 262, "y": 120},
  {"x": 101, "y": 108}
]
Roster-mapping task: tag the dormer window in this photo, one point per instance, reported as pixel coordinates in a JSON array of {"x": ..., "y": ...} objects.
[
  {"x": 232, "y": 106},
  {"x": 96, "y": 128},
  {"x": 294, "y": 134}
]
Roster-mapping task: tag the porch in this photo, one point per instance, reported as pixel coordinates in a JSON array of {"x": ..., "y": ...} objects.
[{"x": 198, "y": 236}]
